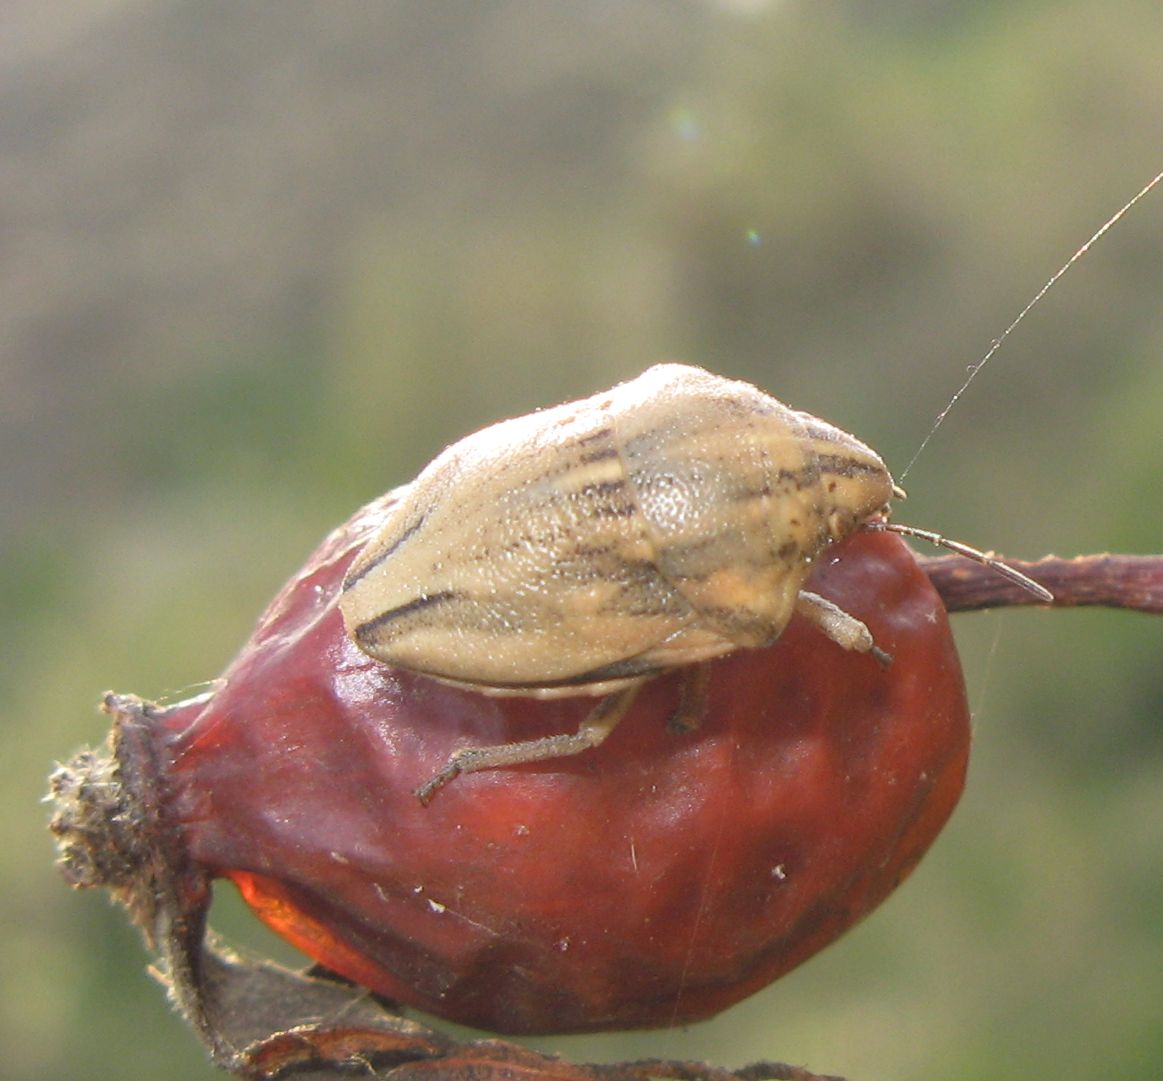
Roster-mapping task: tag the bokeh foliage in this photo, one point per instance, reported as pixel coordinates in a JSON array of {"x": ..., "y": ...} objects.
[{"x": 261, "y": 263}]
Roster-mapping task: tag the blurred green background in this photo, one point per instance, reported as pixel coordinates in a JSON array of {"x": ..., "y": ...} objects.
[{"x": 259, "y": 262}]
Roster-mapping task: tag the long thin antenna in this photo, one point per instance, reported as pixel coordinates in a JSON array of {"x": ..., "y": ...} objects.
[
  {"x": 1022, "y": 315},
  {"x": 1004, "y": 569}
]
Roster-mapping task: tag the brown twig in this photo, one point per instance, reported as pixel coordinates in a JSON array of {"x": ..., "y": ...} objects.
[{"x": 1130, "y": 582}]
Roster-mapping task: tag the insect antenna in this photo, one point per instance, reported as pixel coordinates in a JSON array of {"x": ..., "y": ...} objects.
[
  {"x": 1004, "y": 569},
  {"x": 997, "y": 342}
]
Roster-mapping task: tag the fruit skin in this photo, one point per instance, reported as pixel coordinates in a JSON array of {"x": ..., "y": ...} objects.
[{"x": 655, "y": 880}]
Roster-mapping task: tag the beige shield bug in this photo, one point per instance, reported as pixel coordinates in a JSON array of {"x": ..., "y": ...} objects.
[{"x": 583, "y": 549}]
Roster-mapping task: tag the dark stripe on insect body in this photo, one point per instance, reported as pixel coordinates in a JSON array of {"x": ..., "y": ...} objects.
[
  {"x": 602, "y": 488},
  {"x": 742, "y": 625},
  {"x": 363, "y": 569},
  {"x": 649, "y": 662},
  {"x": 601, "y": 505},
  {"x": 783, "y": 480},
  {"x": 582, "y": 533},
  {"x": 574, "y": 472},
  {"x": 639, "y": 603},
  {"x": 605, "y": 561},
  {"x": 586, "y": 453},
  {"x": 783, "y": 483},
  {"x": 627, "y": 669},
  {"x": 674, "y": 440},
  {"x": 835, "y": 465},
  {"x": 366, "y": 631},
  {"x": 685, "y": 551},
  {"x": 576, "y": 454},
  {"x": 697, "y": 560},
  {"x": 590, "y": 456},
  {"x": 605, "y": 431}
]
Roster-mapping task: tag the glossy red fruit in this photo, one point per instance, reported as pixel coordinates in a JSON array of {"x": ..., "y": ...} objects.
[{"x": 657, "y": 879}]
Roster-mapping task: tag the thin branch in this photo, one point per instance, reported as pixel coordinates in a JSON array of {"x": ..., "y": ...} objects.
[{"x": 1130, "y": 582}]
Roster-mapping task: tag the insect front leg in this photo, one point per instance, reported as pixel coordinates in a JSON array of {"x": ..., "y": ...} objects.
[
  {"x": 599, "y": 723},
  {"x": 844, "y": 629}
]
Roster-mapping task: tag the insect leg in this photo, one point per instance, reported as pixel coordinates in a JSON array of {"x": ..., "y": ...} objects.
[
  {"x": 599, "y": 723},
  {"x": 844, "y": 629},
  {"x": 692, "y": 705}
]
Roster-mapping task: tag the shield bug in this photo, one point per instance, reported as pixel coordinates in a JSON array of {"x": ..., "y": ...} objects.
[{"x": 583, "y": 549}]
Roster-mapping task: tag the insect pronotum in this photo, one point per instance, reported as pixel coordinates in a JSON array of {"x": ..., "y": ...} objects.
[{"x": 583, "y": 549}]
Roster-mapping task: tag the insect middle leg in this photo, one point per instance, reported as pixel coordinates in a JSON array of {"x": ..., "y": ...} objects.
[
  {"x": 844, "y": 629},
  {"x": 599, "y": 723},
  {"x": 692, "y": 705}
]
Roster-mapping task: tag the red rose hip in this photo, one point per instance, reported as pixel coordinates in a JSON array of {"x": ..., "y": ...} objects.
[{"x": 656, "y": 879}]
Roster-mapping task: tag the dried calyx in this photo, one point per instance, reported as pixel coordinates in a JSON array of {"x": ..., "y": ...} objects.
[{"x": 106, "y": 824}]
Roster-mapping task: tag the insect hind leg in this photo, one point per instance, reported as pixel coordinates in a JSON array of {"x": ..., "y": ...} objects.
[
  {"x": 844, "y": 629},
  {"x": 599, "y": 723}
]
